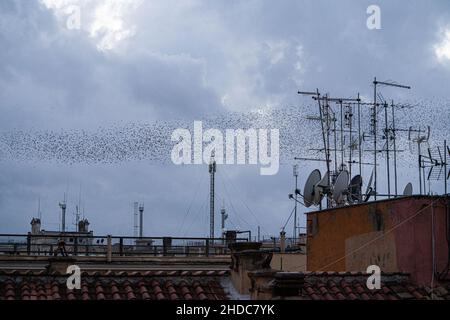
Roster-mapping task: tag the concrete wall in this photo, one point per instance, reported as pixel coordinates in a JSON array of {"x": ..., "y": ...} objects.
[
  {"x": 289, "y": 262},
  {"x": 393, "y": 234}
]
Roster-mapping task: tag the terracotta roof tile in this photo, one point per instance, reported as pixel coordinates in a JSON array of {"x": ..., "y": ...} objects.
[
  {"x": 321, "y": 285},
  {"x": 110, "y": 285}
]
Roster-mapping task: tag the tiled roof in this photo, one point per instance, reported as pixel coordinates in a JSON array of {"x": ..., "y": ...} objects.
[
  {"x": 353, "y": 286},
  {"x": 119, "y": 273},
  {"x": 109, "y": 285}
]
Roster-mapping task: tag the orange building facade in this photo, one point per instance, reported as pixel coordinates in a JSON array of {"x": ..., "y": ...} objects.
[{"x": 407, "y": 234}]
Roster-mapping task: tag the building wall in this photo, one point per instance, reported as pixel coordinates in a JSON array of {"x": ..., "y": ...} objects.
[
  {"x": 393, "y": 234},
  {"x": 291, "y": 262}
]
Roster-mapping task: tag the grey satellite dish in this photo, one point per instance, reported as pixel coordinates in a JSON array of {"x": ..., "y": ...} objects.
[
  {"x": 308, "y": 191},
  {"x": 321, "y": 188},
  {"x": 369, "y": 188},
  {"x": 340, "y": 185},
  {"x": 355, "y": 188},
  {"x": 408, "y": 190}
]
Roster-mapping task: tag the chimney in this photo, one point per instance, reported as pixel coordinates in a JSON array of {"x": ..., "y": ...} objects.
[
  {"x": 246, "y": 257},
  {"x": 282, "y": 241},
  {"x": 273, "y": 284},
  {"x": 83, "y": 225},
  {"x": 59, "y": 265},
  {"x": 35, "y": 226}
]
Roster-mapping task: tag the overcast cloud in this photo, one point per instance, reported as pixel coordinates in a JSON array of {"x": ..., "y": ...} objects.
[{"x": 138, "y": 62}]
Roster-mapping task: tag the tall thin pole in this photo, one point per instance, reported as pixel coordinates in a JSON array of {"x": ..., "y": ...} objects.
[
  {"x": 420, "y": 167},
  {"x": 141, "y": 220},
  {"x": 63, "y": 214},
  {"x": 386, "y": 135},
  {"x": 383, "y": 83},
  {"x": 295, "y": 169},
  {"x": 350, "y": 118},
  {"x": 445, "y": 166},
  {"x": 394, "y": 134},
  {"x": 342, "y": 135},
  {"x": 212, "y": 171},
  {"x": 335, "y": 145},
  {"x": 374, "y": 119},
  {"x": 328, "y": 145},
  {"x": 359, "y": 136}
]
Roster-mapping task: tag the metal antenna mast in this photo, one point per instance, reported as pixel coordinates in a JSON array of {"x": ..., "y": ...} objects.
[
  {"x": 419, "y": 140},
  {"x": 62, "y": 205},
  {"x": 295, "y": 172},
  {"x": 394, "y": 136},
  {"x": 39, "y": 208},
  {"x": 141, "y": 220},
  {"x": 374, "y": 123},
  {"x": 212, "y": 171},
  {"x": 135, "y": 217},
  {"x": 387, "y": 138},
  {"x": 359, "y": 136}
]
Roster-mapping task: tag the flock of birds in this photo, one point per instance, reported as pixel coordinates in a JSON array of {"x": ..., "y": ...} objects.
[{"x": 152, "y": 141}]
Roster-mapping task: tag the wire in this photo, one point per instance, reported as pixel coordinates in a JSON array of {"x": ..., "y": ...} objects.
[
  {"x": 287, "y": 221},
  {"x": 196, "y": 216},
  {"x": 192, "y": 201},
  {"x": 239, "y": 193},
  {"x": 231, "y": 203}
]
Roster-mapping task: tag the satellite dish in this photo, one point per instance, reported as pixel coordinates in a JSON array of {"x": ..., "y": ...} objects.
[
  {"x": 340, "y": 185},
  {"x": 369, "y": 188},
  {"x": 355, "y": 188},
  {"x": 408, "y": 190},
  {"x": 369, "y": 185},
  {"x": 308, "y": 191},
  {"x": 321, "y": 188}
]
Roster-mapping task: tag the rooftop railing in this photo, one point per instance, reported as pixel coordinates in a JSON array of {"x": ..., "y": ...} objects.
[{"x": 89, "y": 245}]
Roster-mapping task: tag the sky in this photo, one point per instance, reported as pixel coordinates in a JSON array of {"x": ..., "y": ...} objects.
[{"x": 131, "y": 71}]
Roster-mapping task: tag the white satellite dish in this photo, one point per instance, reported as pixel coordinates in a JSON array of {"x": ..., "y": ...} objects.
[
  {"x": 340, "y": 185},
  {"x": 308, "y": 191},
  {"x": 408, "y": 190},
  {"x": 321, "y": 188}
]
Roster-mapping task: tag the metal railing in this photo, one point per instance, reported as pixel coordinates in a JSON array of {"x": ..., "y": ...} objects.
[{"x": 89, "y": 245}]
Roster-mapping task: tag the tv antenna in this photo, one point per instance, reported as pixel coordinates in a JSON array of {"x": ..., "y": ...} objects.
[
  {"x": 436, "y": 162},
  {"x": 419, "y": 136},
  {"x": 374, "y": 121}
]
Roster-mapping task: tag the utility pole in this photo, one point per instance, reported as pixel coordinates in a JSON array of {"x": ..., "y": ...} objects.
[{"x": 212, "y": 171}]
